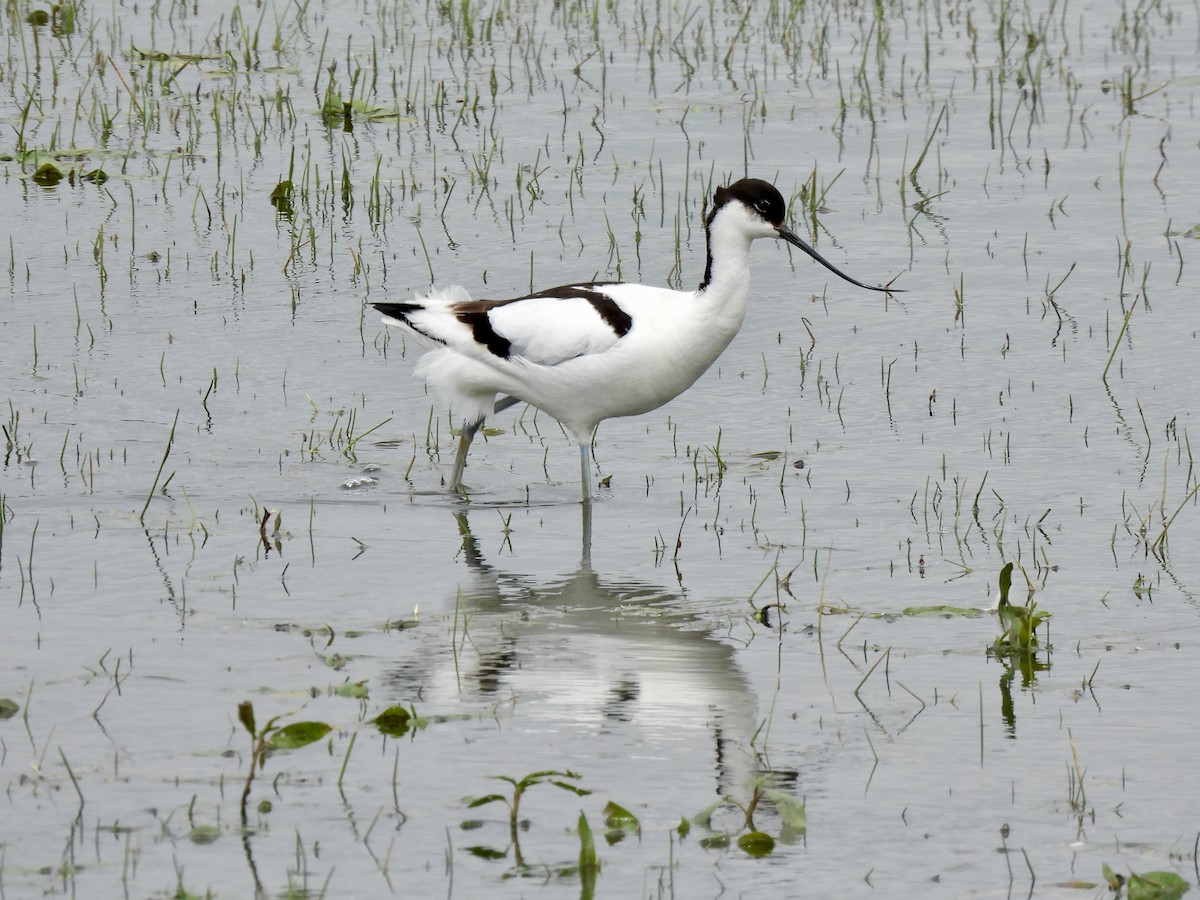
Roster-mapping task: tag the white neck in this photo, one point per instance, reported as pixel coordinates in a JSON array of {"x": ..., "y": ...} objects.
[{"x": 727, "y": 275}]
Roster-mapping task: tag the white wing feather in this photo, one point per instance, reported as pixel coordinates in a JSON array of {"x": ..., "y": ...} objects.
[{"x": 552, "y": 330}]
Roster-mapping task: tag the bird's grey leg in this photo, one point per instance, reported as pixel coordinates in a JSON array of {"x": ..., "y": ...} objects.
[
  {"x": 585, "y": 559},
  {"x": 465, "y": 436},
  {"x": 585, "y": 471}
]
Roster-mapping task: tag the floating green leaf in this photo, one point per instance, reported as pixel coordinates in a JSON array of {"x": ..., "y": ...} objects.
[
  {"x": 1156, "y": 886},
  {"x": 298, "y": 734},
  {"x": 204, "y": 835},
  {"x": 8, "y": 708},
  {"x": 756, "y": 843},
  {"x": 281, "y": 198},
  {"x": 47, "y": 175},
  {"x": 487, "y": 852},
  {"x": 965, "y": 612},
  {"x": 356, "y": 690},
  {"x": 333, "y": 111},
  {"x": 616, "y": 816},
  {"x": 393, "y": 721}
]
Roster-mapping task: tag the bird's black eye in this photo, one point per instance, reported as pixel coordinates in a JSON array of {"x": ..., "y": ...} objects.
[{"x": 763, "y": 205}]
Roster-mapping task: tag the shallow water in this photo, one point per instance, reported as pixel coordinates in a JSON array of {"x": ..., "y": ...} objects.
[{"x": 850, "y": 457}]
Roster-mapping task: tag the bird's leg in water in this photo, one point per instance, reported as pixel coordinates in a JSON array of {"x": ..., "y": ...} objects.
[
  {"x": 585, "y": 471},
  {"x": 469, "y": 430},
  {"x": 460, "y": 458}
]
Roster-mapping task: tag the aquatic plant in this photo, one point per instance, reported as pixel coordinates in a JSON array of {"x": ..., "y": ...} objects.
[
  {"x": 589, "y": 863},
  {"x": 1018, "y": 624},
  {"x": 753, "y": 841},
  {"x": 273, "y": 737},
  {"x": 1145, "y": 886},
  {"x": 519, "y": 787}
]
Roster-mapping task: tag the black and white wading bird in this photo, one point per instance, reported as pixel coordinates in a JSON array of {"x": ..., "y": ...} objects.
[{"x": 588, "y": 352}]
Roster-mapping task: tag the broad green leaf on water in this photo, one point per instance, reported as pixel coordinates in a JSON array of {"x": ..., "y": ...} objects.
[
  {"x": 356, "y": 690},
  {"x": 374, "y": 112},
  {"x": 47, "y": 175},
  {"x": 791, "y": 810},
  {"x": 473, "y": 802},
  {"x": 683, "y": 827},
  {"x": 298, "y": 734},
  {"x": 756, "y": 843},
  {"x": 393, "y": 721},
  {"x": 715, "y": 842},
  {"x": 281, "y": 198},
  {"x": 619, "y": 817},
  {"x": 8, "y": 708},
  {"x": 246, "y": 716},
  {"x": 487, "y": 852},
  {"x": 204, "y": 834},
  {"x": 1156, "y": 886},
  {"x": 333, "y": 111},
  {"x": 965, "y": 612},
  {"x": 1005, "y": 582}
]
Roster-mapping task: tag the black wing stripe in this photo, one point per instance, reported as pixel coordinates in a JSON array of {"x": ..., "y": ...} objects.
[
  {"x": 400, "y": 311},
  {"x": 484, "y": 333},
  {"x": 615, "y": 317}
]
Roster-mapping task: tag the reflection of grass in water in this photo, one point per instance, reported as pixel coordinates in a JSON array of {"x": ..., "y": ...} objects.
[{"x": 557, "y": 778}]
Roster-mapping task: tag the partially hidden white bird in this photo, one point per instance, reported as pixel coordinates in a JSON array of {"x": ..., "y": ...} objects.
[{"x": 595, "y": 350}]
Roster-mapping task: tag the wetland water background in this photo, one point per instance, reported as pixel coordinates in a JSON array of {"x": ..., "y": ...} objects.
[{"x": 1026, "y": 175}]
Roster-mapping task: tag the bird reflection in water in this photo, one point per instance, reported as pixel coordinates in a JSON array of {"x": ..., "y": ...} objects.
[{"x": 605, "y": 659}]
